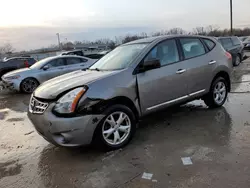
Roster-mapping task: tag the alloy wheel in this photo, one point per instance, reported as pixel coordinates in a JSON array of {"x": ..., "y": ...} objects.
[
  {"x": 116, "y": 128},
  {"x": 219, "y": 92},
  {"x": 29, "y": 85}
]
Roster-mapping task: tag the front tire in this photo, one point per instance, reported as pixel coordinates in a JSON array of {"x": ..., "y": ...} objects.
[
  {"x": 116, "y": 129},
  {"x": 29, "y": 85},
  {"x": 218, "y": 93}
]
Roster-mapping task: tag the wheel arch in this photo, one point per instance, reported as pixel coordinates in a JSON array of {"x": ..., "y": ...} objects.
[
  {"x": 28, "y": 78},
  {"x": 124, "y": 101},
  {"x": 224, "y": 75}
]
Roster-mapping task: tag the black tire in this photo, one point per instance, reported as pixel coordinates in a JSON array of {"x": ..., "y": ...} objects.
[
  {"x": 99, "y": 140},
  {"x": 237, "y": 60},
  {"x": 25, "y": 89},
  {"x": 209, "y": 99}
]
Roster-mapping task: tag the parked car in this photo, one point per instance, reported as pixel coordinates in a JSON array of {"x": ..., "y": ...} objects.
[
  {"x": 246, "y": 43},
  {"x": 243, "y": 38},
  {"x": 10, "y": 64},
  {"x": 73, "y": 52},
  {"x": 28, "y": 79},
  {"x": 98, "y": 55},
  {"x": 234, "y": 46},
  {"x": 104, "y": 103}
]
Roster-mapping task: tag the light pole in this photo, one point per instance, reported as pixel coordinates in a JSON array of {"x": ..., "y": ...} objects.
[
  {"x": 59, "y": 43},
  {"x": 231, "y": 16}
]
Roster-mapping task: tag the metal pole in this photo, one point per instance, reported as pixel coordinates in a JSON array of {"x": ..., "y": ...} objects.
[
  {"x": 59, "y": 43},
  {"x": 231, "y": 16}
]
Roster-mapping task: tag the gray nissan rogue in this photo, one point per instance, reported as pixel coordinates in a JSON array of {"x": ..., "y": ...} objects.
[{"x": 103, "y": 104}]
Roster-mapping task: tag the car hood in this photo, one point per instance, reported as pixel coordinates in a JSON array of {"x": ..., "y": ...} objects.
[
  {"x": 16, "y": 72},
  {"x": 52, "y": 88}
]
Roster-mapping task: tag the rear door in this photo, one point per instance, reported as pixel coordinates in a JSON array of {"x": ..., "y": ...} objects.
[
  {"x": 75, "y": 63},
  {"x": 166, "y": 85},
  {"x": 56, "y": 68},
  {"x": 20, "y": 62},
  {"x": 200, "y": 64}
]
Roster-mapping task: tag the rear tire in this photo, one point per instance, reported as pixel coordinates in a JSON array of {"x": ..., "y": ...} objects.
[
  {"x": 218, "y": 93},
  {"x": 29, "y": 85},
  {"x": 112, "y": 134}
]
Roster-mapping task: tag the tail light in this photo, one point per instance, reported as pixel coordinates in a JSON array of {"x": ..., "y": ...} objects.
[
  {"x": 229, "y": 56},
  {"x": 26, "y": 64}
]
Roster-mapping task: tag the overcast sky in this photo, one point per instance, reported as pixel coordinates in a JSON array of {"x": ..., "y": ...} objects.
[{"x": 31, "y": 24}]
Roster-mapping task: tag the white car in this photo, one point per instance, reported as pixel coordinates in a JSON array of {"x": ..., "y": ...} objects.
[{"x": 28, "y": 79}]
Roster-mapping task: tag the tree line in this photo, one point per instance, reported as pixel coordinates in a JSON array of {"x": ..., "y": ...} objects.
[
  {"x": 112, "y": 43},
  {"x": 206, "y": 31}
]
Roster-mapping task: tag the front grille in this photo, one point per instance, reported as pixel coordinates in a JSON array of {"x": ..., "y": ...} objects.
[{"x": 37, "y": 107}]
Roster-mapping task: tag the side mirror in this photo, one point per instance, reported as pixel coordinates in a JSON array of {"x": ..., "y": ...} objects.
[
  {"x": 150, "y": 64},
  {"x": 46, "y": 67}
]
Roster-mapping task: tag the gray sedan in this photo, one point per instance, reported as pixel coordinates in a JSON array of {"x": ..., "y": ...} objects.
[{"x": 28, "y": 79}]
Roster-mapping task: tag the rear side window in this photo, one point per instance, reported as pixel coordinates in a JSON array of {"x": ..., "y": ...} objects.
[
  {"x": 210, "y": 44},
  {"x": 236, "y": 41},
  {"x": 226, "y": 43},
  {"x": 72, "y": 61},
  {"x": 56, "y": 63},
  {"x": 192, "y": 47}
]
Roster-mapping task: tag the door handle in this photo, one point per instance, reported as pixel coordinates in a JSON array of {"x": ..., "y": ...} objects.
[
  {"x": 212, "y": 62},
  {"x": 180, "y": 71}
]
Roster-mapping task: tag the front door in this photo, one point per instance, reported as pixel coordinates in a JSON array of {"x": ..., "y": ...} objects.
[
  {"x": 166, "y": 85},
  {"x": 56, "y": 67}
]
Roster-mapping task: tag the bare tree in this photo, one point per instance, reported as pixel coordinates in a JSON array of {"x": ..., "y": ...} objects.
[
  {"x": 7, "y": 48},
  {"x": 176, "y": 31},
  {"x": 199, "y": 31}
]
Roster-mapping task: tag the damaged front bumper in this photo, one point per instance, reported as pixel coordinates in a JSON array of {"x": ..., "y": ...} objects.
[{"x": 69, "y": 132}]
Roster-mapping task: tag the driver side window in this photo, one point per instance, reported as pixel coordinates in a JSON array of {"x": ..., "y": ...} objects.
[
  {"x": 56, "y": 62},
  {"x": 166, "y": 52}
]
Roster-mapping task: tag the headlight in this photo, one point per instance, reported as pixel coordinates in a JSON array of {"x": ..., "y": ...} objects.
[
  {"x": 12, "y": 77},
  {"x": 247, "y": 45},
  {"x": 67, "y": 103}
]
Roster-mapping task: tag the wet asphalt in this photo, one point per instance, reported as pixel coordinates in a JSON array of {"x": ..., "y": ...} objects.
[{"x": 216, "y": 140}]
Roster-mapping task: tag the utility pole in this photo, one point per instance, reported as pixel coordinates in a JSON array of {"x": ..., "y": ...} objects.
[
  {"x": 231, "y": 16},
  {"x": 59, "y": 43}
]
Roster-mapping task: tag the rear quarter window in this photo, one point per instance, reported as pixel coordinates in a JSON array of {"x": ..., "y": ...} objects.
[{"x": 210, "y": 44}]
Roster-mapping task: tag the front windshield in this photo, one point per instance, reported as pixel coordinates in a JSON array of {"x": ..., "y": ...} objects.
[
  {"x": 119, "y": 58},
  {"x": 40, "y": 63}
]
